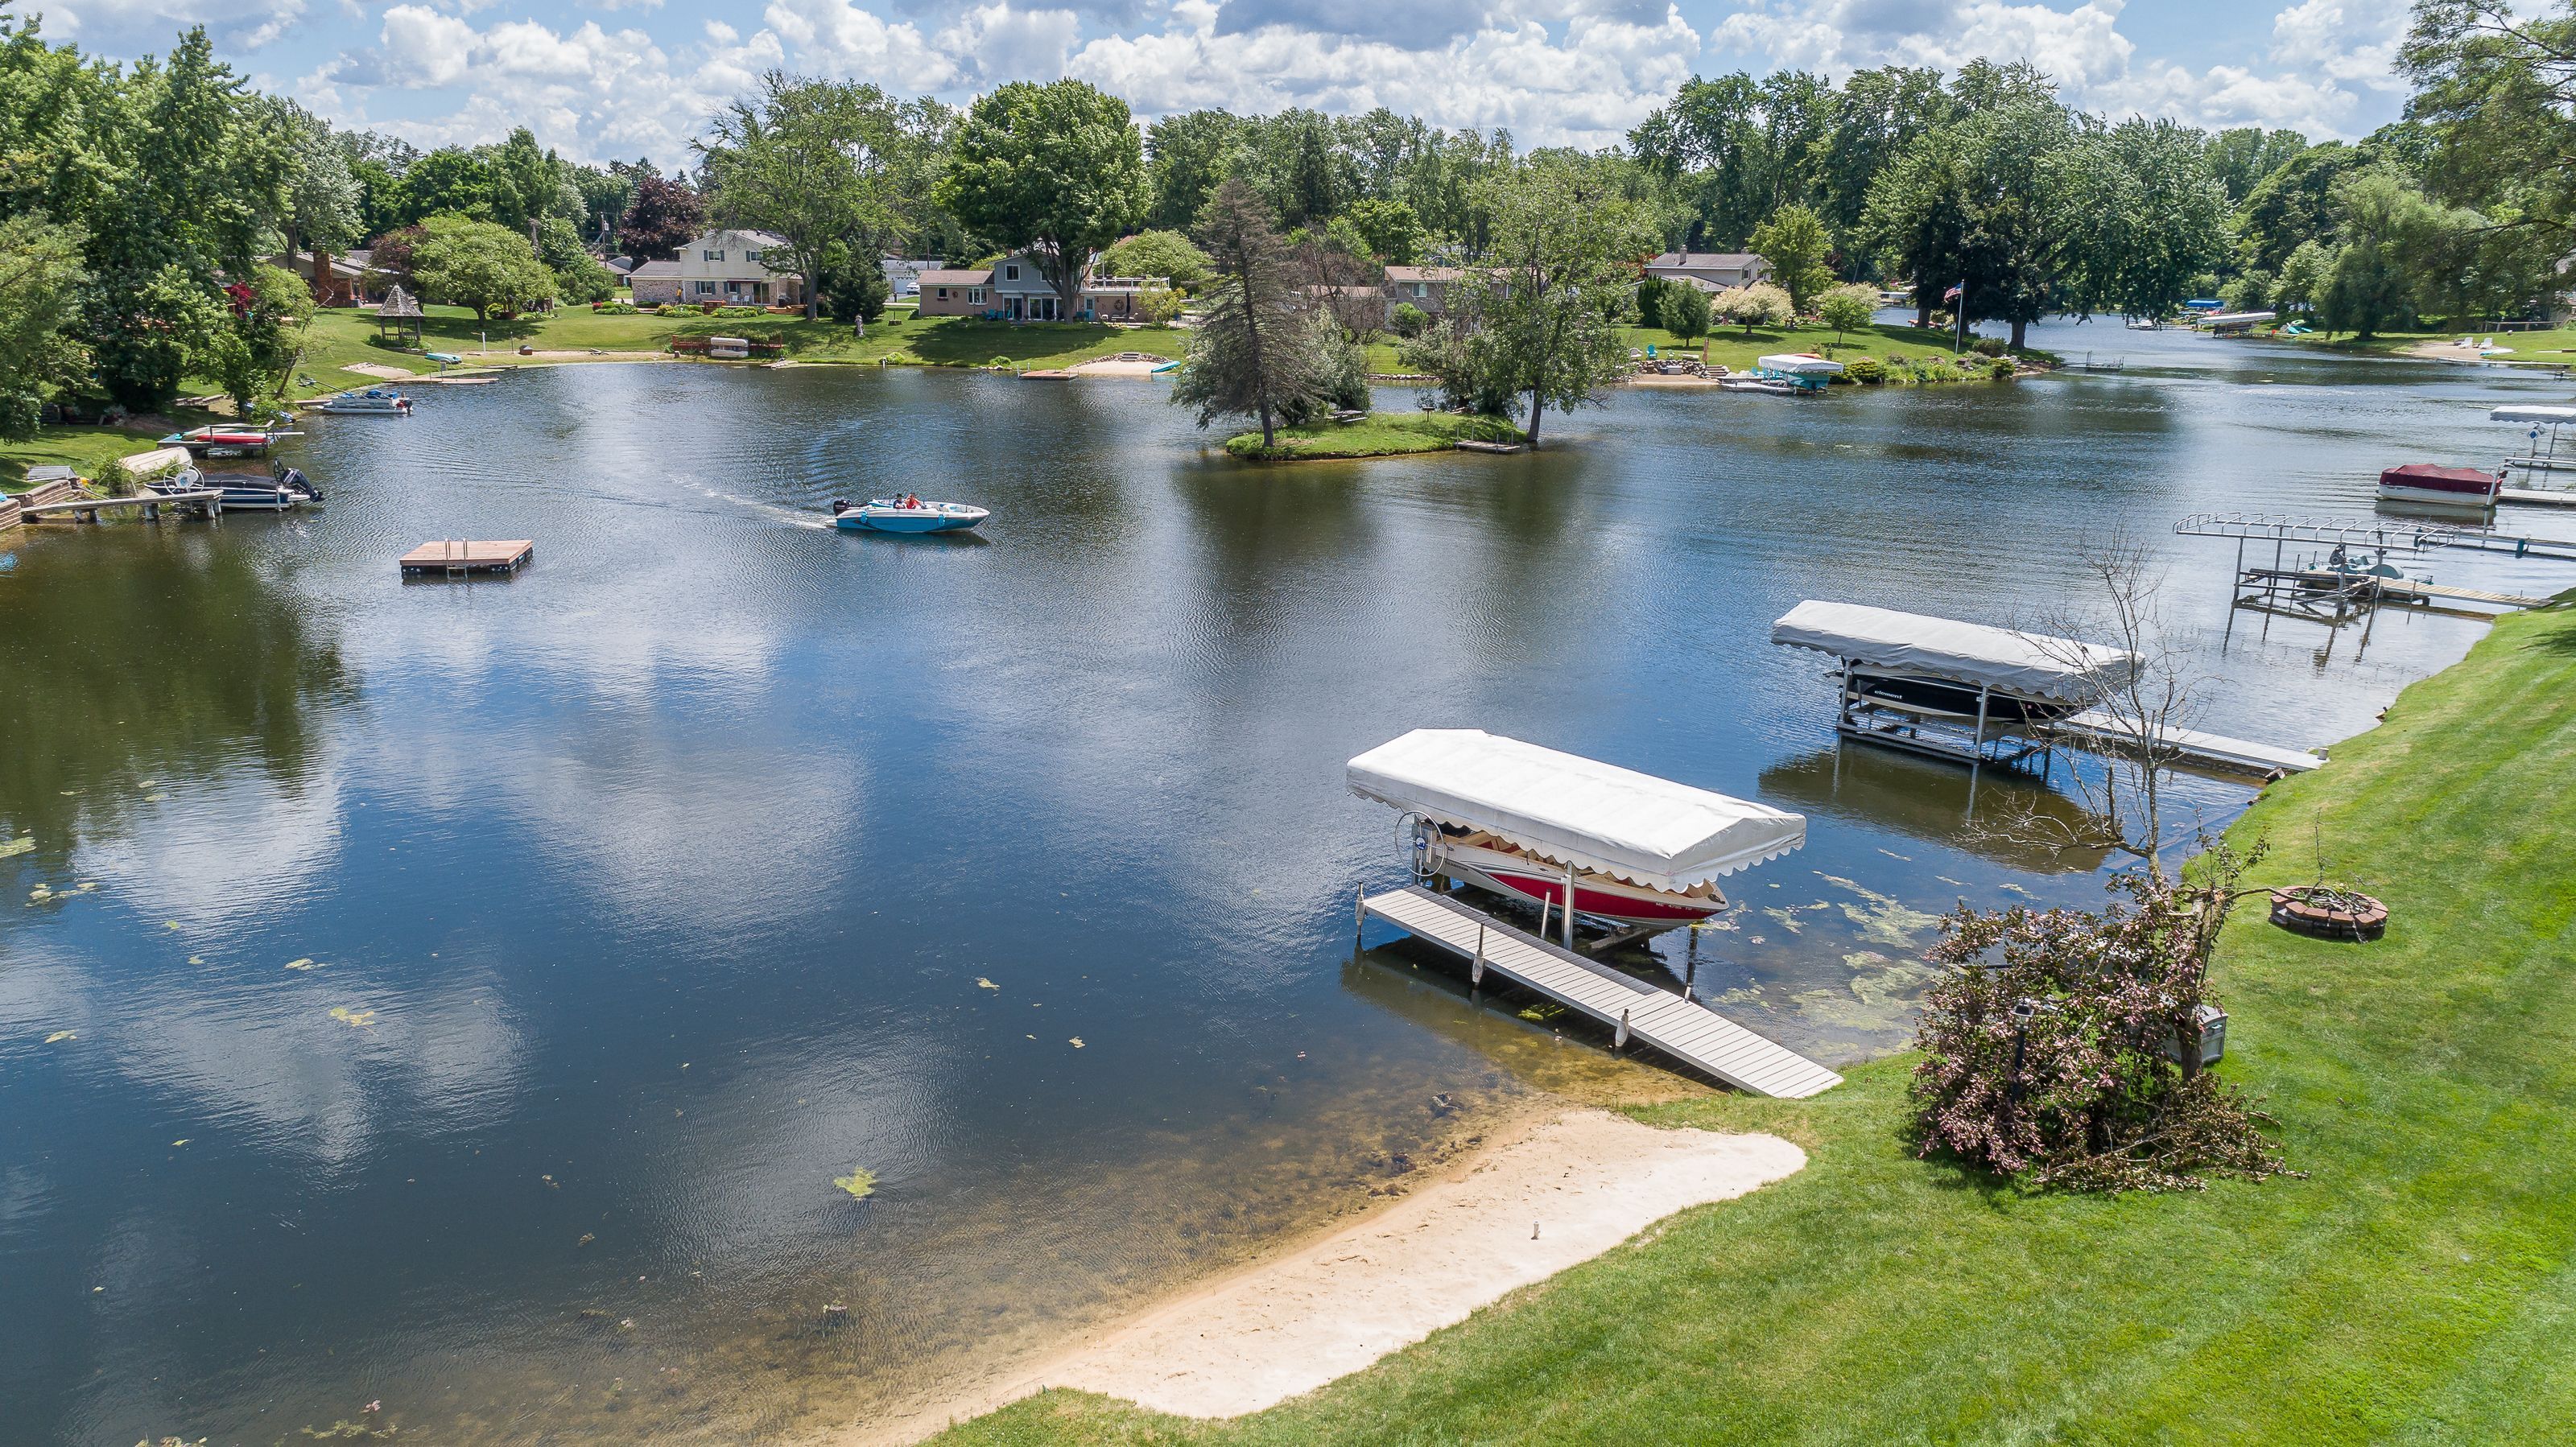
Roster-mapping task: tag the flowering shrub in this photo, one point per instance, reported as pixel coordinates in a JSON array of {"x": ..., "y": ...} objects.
[{"x": 2065, "y": 1051}]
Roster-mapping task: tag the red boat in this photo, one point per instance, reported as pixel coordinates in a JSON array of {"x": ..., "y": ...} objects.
[
  {"x": 2420, "y": 486},
  {"x": 1475, "y": 857},
  {"x": 218, "y": 440}
]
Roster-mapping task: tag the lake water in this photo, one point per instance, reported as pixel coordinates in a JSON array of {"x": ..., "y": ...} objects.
[{"x": 468, "y": 994}]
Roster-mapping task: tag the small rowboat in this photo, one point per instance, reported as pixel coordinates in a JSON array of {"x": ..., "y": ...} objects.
[
  {"x": 373, "y": 402},
  {"x": 892, "y": 515}
]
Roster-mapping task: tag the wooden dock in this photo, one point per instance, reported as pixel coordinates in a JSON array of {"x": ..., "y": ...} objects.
[
  {"x": 2538, "y": 496},
  {"x": 1684, "y": 1029},
  {"x": 457, "y": 558},
  {"x": 206, "y": 501},
  {"x": 2190, "y": 745}
]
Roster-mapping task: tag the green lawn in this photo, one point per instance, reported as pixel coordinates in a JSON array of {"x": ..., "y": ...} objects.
[
  {"x": 87, "y": 449},
  {"x": 338, "y": 338},
  {"x": 2419, "y": 1286},
  {"x": 1380, "y": 434},
  {"x": 1732, "y": 348},
  {"x": 2556, "y": 345}
]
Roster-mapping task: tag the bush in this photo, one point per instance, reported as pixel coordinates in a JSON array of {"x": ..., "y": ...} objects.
[
  {"x": 613, "y": 308},
  {"x": 1409, "y": 320},
  {"x": 1987, "y": 346},
  {"x": 2002, "y": 369},
  {"x": 1866, "y": 369},
  {"x": 738, "y": 311}
]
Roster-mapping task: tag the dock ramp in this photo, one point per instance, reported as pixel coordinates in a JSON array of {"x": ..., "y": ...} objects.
[
  {"x": 1686, "y": 1030},
  {"x": 2191, "y": 745}
]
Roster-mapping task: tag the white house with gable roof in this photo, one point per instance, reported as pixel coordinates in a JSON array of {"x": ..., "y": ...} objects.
[{"x": 729, "y": 268}]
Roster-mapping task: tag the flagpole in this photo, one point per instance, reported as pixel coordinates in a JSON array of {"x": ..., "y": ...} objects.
[{"x": 1959, "y": 342}]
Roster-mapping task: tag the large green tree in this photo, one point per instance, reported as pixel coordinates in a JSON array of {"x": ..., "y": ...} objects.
[
  {"x": 820, "y": 163},
  {"x": 1794, "y": 242},
  {"x": 1561, "y": 245},
  {"x": 2151, "y": 217},
  {"x": 1254, "y": 353},
  {"x": 1188, "y": 155},
  {"x": 40, "y": 274},
  {"x": 1056, "y": 168},
  {"x": 478, "y": 265}
]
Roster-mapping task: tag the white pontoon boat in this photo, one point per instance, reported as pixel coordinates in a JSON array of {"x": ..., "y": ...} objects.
[
  {"x": 1937, "y": 685},
  {"x": 1534, "y": 825}
]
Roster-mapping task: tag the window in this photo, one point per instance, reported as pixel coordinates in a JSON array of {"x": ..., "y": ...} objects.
[
  {"x": 717, "y": 255},
  {"x": 753, "y": 256},
  {"x": 943, "y": 293},
  {"x": 975, "y": 295},
  {"x": 1419, "y": 289},
  {"x": 1010, "y": 273},
  {"x": 706, "y": 288}
]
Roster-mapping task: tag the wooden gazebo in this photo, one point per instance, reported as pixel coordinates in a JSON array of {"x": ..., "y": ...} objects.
[{"x": 399, "y": 314}]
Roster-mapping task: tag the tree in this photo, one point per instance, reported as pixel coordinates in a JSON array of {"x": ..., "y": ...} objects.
[
  {"x": 1167, "y": 254},
  {"x": 40, "y": 274},
  {"x": 2303, "y": 277},
  {"x": 2495, "y": 82},
  {"x": 665, "y": 216},
  {"x": 2148, "y": 220},
  {"x": 322, "y": 201},
  {"x": 820, "y": 163},
  {"x": 1685, "y": 313},
  {"x": 253, "y": 356},
  {"x": 854, "y": 284},
  {"x": 1848, "y": 309},
  {"x": 1758, "y": 305},
  {"x": 1408, "y": 320},
  {"x": 479, "y": 265},
  {"x": 1253, "y": 355},
  {"x": 448, "y": 181},
  {"x": 1560, "y": 245},
  {"x": 2385, "y": 223},
  {"x": 2294, "y": 204},
  {"x": 1189, "y": 154},
  {"x": 1795, "y": 243},
  {"x": 1057, "y": 168},
  {"x": 578, "y": 275},
  {"x": 1393, "y": 233}
]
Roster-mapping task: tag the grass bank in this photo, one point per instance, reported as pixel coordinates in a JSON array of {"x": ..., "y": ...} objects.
[
  {"x": 2419, "y": 1286},
  {"x": 86, "y": 449},
  {"x": 338, "y": 338},
  {"x": 1731, "y": 348},
  {"x": 1380, "y": 434}
]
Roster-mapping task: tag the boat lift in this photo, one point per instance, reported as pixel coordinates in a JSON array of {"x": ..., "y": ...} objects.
[{"x": 2552, "y": 416}]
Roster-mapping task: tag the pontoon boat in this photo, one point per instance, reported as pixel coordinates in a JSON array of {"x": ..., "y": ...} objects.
[
  {"x": 1532, "y": 825},
  {"x": 2422, "y": 487},
  {"x": 373, "y": 402},
  {"x": 283, "y": 488},
  {"x": 895, "y": 515}
]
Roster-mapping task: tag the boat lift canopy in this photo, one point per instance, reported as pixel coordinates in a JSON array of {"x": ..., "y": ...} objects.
[
  {"x": 1568, "y": 809},
  {"x": 2552, "y": 413},
  {"x": 2001, "y": 659}
]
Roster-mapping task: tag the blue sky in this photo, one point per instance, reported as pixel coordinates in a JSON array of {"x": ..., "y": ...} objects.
[{"x": 626, "y": 78}]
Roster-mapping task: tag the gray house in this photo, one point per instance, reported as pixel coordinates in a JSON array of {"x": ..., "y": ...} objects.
[{"x": 1710, "y": 271}]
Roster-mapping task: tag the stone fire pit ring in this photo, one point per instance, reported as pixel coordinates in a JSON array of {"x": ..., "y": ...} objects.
[{"x": 2330, "y": 914}]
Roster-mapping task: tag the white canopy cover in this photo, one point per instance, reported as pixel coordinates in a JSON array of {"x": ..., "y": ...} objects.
[
  {"x": 1799, "y": 363},
  {"x": 1648, "y": 831},
  {"x": 1972, "y": 653},
  {"x": 2533, "y": 412}
]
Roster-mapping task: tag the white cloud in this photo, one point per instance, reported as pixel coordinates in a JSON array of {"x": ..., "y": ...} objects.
[
  {"x": 842, "y": 39},
  {"x": 1007, "y": 44},
  {"x": 425, "y": 48}
]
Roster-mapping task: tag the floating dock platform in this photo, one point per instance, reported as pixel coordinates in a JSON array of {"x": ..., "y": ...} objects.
[
  {"x": 1682, "y": 1028},
  {"x": 206, "y": 501},
  {"x": 459, "y": 558},
  {"x": 2538, "y": 496}
]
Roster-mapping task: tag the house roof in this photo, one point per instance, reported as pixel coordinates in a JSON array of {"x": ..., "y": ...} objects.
[
  {"x": 1409, "y": 274},
  {"x": 765, "y": 238},
  {"x": 1713, "y": 260},
  {"x": 657, "y": 268},
  {"x": 957, "y": 278}
]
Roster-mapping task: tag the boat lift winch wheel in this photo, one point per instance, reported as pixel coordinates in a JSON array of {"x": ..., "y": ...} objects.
[{"x": 1426, "y": 847}]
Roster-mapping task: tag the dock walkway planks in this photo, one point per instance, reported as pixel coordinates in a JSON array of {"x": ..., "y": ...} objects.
[
  {"x": 2192, "y": 744},
  {"x": 463, "y": 556},
  {"x": 1683, "y": 1029}
]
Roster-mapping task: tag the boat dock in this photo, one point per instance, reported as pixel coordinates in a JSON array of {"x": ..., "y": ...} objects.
[
  {"x": 460, "y": 558},
  {"x": 1677, "y": 1025},
  {"x": 208, "y": 502},
  {"x": 2189, "y": 746},
  {"x": 2538, "y": 496}
]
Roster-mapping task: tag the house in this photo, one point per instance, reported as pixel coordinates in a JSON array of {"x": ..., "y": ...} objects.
[
  {"x": 654, "y": 283},
  {"x": 1015, "y": 290},
  {"x": 725, "y": 267},
  {"x": 340, "y": 280},
  {"x": 1710, "y": 271},
  {"x": 1424, "y": 288}
]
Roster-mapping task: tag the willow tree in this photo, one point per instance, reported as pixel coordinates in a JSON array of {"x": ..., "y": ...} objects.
[
  {"x": 1254, "y": 354},
  {"x": 819, "y": 163}
]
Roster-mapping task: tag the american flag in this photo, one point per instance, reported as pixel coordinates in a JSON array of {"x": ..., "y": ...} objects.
[{"x": 1953, "y": 293}]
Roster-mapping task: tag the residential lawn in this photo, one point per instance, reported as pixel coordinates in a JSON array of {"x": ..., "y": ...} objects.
[
  {"x": 2419, "y": 1286},
  {"x": 1732, "y": 348},
  {"x": 338, "y": 338},
  {"x": 2556, "y": 345},
  {"x": 87, "y": 449},
  {"x": 1380, "y": 434}
]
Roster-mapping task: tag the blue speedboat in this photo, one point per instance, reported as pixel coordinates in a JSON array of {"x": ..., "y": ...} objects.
[{"x": 901, "y": 515}]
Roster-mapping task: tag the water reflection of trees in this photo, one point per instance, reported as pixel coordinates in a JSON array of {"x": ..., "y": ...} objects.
[
  {"x": 1931, "y": 799},
  {"x": 133, "y": 658}
]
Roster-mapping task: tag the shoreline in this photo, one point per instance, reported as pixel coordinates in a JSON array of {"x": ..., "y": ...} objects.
[{"x": 1314, "y": 1309}]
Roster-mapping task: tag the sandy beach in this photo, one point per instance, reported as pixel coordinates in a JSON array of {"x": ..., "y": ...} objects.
[{"x": 1561, "y": 1191}]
